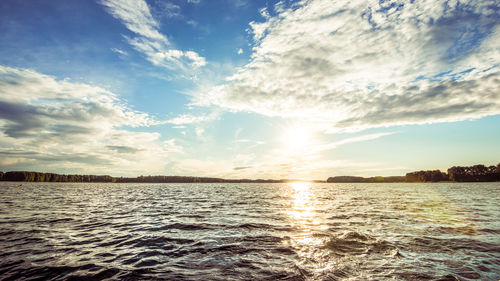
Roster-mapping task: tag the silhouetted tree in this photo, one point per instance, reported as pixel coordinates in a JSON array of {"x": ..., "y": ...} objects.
[
  {"x": 426, "y": 176},
  {"x": 345, "y": 179},
  {"x": 474, "y": 173}
]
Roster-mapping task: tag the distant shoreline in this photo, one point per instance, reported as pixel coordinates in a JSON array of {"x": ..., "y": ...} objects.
[
  {"x": 476, "y": 173},
  {"x": 29, "y": 176}
]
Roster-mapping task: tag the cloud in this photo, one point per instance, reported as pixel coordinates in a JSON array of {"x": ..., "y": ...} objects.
[
  {"x": 192, "y": 23},
  {"x": 137, "y": 17},
  {"x": 324, "y": 147},
  {"x": 238, "y": 3},
  {"x": 240, "y": 51},
  {"x": 168, "y": 10},
  {"x": 120, "y": 52},
  {"x": 358, "y": 64},
  {"x": 242, "y": 168},
  {"x": 59, "y": 124},
  {"x": 199, "y": 131},
  {"x": 123, "y": 149}
]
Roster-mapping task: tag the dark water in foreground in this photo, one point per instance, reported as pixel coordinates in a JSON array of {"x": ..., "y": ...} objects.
[{"x": 250, "y": 231}]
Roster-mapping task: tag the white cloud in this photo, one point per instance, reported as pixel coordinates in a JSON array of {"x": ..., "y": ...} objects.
[
  {"x": 136, "y": 16},
  {"x": 57, "y": 125},
  {"x": 238, "y": 3},
  {"x": 118, "y": 51},
  {"x": 360, "y": 64},
  {"x": 196, "y": 60},
  {"x": 199, "y": 131},
  {"x": 168, "y": 10},
  {"x": 192, "y": 23},
  {"x": 240, "y": 51},
  {"x": 324, "y": 147}
]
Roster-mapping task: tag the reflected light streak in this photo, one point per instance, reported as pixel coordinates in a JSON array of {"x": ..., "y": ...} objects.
[
  {"x": 304, "y": 216},
  {"x": 303, "y": 211},
  {"x": 300, "y": 186}
]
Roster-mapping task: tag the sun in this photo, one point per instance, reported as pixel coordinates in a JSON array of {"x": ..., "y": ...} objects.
[{"x": 297, "y": 137}]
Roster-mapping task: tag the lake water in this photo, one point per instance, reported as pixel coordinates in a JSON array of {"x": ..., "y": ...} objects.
[{"x": 301, "y": 231}]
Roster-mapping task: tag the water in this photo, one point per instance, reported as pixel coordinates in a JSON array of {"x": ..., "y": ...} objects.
[{"x": 443, "y": 231}]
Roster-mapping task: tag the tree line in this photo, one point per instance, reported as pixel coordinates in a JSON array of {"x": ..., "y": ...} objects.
[
  {"x": 348, "y": 179},
  {"x": 51, "y": 177},
  {"x": 476, "y": 173}
]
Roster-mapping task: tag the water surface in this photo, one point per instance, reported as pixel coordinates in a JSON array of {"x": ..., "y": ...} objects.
[{"x": 301, "y": 231}]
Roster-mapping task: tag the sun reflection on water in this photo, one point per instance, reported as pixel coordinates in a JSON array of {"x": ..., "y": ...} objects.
[
  {"x": 310, "y": 225},
  {"x": 302, "y": 211},
  {"x": 300, "y": 186}
]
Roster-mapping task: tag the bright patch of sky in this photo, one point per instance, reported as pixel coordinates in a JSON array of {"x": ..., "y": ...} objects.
[{"x": 248, "y": 89}]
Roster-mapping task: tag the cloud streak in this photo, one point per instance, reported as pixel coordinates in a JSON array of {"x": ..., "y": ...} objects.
[
  {"x": 353, "y": 65},
  {"x": 137, "y": 17},
  {"x": 324, "y": 147}
]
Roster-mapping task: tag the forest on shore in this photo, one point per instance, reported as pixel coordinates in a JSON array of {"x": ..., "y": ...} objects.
[
  {"x": 476, "y": 173},
  {"x": 51, "y": 177}
]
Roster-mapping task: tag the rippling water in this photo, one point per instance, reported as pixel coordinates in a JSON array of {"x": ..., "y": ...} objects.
[{"x": 444, "y": 231}]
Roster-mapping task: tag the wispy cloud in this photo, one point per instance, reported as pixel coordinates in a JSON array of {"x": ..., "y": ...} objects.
[
  {"x": 238, "y": 3},
  {"x": 168, "y": 10},
  {"x": 361, "y": 64},
  {"x": 362, "y": 138},
  {"x": 118, "y": 51},
  {"x": 241, "y": 168},
  {"x": 137, "y": 17},
  {"x": 52, "y": 123}
]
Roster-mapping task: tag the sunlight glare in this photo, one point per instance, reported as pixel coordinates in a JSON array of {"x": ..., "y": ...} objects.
[
  {"x": 297, "y": 137},
  {"x": 300, "y": 186}
]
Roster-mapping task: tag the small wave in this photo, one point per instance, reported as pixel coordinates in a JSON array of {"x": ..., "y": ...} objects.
[
  {"x": 355, "y": 243},
  {"x": 57, "y": 272},
  {"x": 426, "y": 244},
  {"x": 463, "y": 230},
  {"x": 152, "y": 242},
  {"x": 448, "y": 277},
  {"x": 184, "y": 226}
]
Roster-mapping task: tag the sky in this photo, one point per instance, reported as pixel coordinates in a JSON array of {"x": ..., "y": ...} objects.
[{"x": 248, "y": 88}]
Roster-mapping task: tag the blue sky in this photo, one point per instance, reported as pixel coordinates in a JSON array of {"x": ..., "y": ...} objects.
[{"x": 248, "y": 89}]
